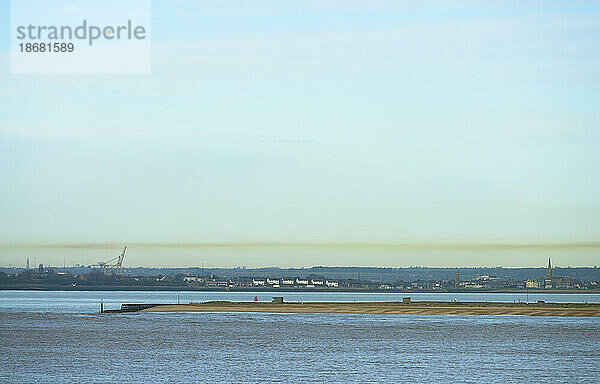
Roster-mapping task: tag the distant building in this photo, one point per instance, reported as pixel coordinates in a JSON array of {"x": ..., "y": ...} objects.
[
  {"x": 488, "y": 278},
  {"x": 471, "y": 285},
  {"x": 563, "y": 282},
  {"x": 547, "y": 281},
  {"x": 551, "y": 281},
  {"x": 216, "y": 282},
  {"x": 549, "y": 270},
  {"x": 457, "y": 279}
]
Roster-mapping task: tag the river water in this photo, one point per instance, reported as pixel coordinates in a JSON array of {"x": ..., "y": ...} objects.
[{"x": 49, "y": 337}]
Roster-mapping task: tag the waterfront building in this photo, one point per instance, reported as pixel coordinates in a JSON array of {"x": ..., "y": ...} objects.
[
  {"x": 216, "y": 282},
  {"x": 551, "y": 281},
  {"x": 562, "y": 282}
]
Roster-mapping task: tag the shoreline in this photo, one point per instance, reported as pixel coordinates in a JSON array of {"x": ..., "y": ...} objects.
[
  {"x": 396, "y": 308},
  {"x": 289, "y": 290}
]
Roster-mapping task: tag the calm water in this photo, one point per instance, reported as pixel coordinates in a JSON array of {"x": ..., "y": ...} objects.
[
  {"x": 89, "y": 301},
  {"x": 55, "y": 337}
]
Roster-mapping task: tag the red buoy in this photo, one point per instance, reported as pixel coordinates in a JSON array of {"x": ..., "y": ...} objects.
[{"x": 255, "y": 298}]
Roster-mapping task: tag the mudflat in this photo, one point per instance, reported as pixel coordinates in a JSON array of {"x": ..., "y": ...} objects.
[{"x": 414, "y": 308}]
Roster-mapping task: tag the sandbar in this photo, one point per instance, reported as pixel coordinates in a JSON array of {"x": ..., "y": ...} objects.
[{"x": 414, "y": 308}]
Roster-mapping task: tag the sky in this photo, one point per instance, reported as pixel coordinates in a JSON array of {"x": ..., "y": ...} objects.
[{"x": 300, "y": 133}]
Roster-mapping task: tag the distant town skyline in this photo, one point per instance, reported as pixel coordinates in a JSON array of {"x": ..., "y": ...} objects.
[
  {"x": 414, "y": 279},
  {"x": 306, "y": 133}
]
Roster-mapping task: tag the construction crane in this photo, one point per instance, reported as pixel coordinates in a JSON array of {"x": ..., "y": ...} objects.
[{"x": 113, "y": 265}]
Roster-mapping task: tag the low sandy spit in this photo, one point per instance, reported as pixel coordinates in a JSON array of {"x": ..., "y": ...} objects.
[{"x": 415, "y": 308}]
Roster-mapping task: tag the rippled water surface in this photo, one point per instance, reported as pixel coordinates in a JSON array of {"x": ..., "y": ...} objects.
[
  {"x": 89, "y": 301},
  {"x": 73, "y": 344}
]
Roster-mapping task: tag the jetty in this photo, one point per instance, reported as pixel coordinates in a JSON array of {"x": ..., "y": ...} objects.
[{"x": 405, "y": 307}]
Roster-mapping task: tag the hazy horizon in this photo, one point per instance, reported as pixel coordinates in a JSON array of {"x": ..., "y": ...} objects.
[{"x": 223, "y": 255}]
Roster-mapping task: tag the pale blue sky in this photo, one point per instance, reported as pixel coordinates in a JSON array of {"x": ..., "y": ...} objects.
[{"x": 404, "y": 123}]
